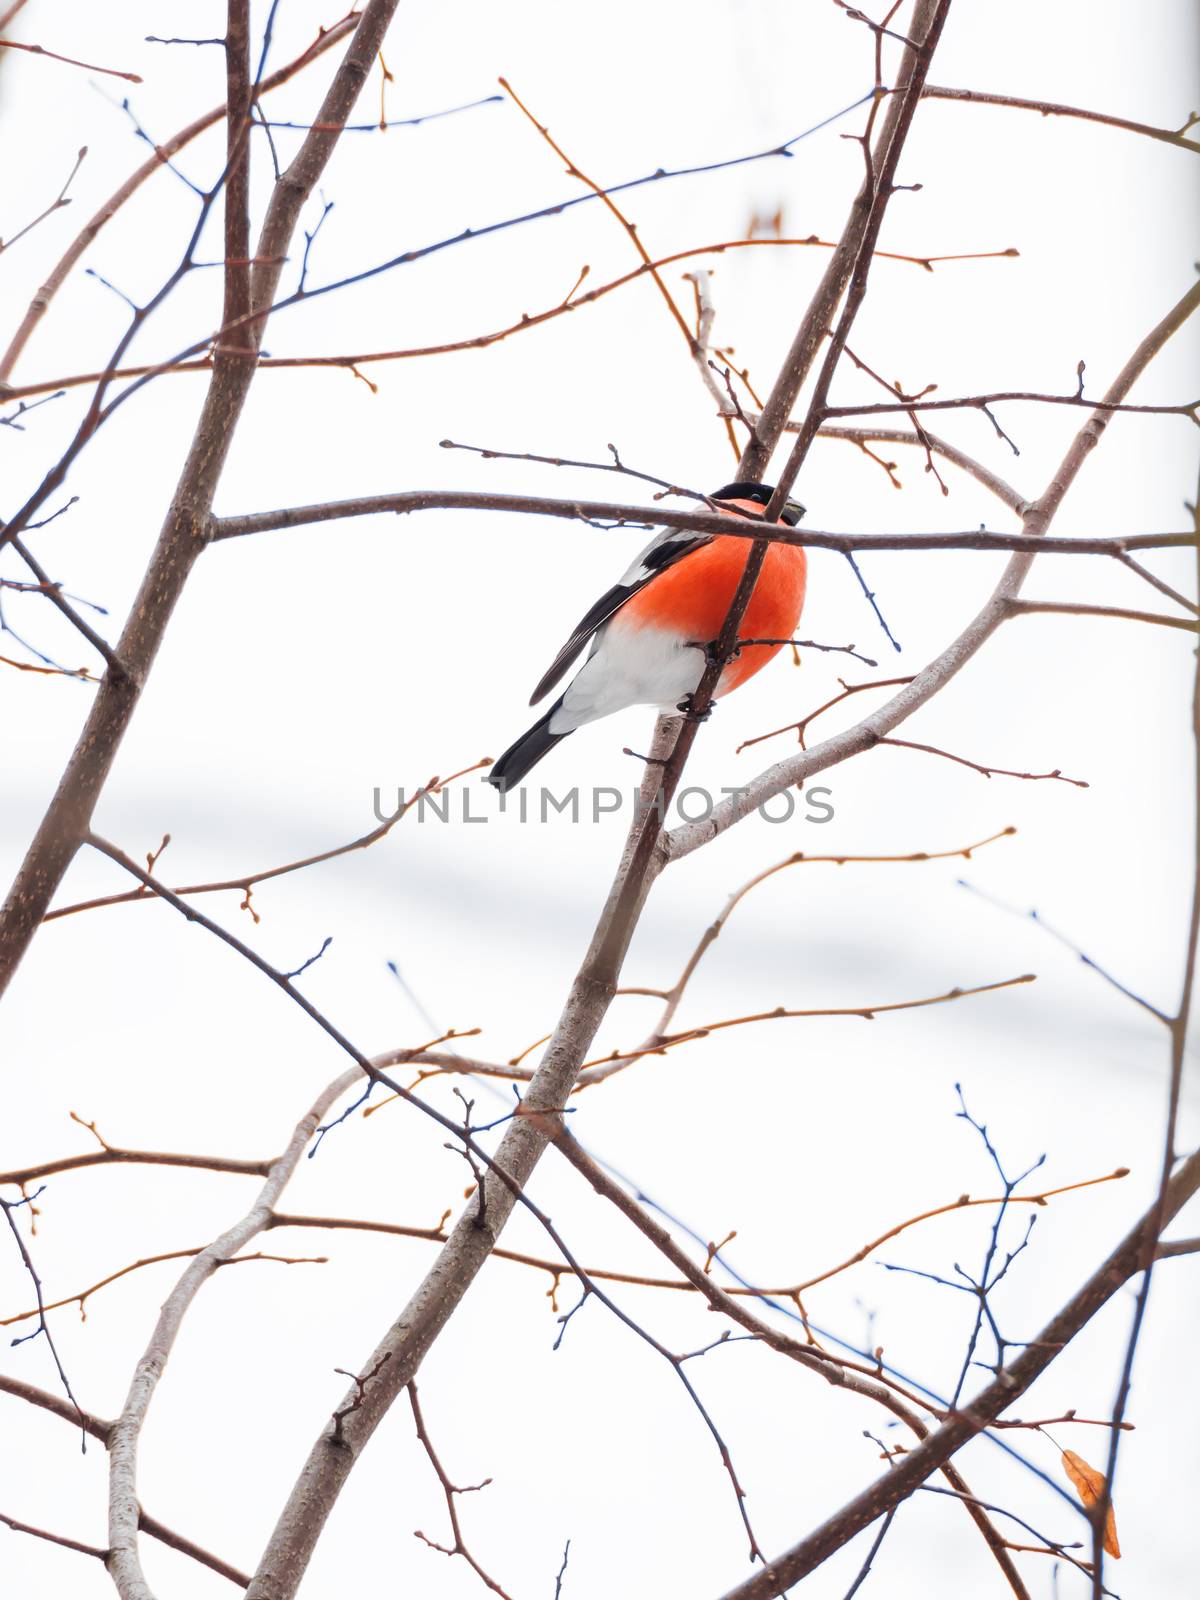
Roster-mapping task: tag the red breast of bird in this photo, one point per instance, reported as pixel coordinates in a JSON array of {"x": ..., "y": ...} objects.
[
  {"x": 691, "y": 600},
  {"x": 649, "y": 632}
]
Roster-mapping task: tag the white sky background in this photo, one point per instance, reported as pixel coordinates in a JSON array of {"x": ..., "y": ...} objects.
[{"x": 302, "y": 669}]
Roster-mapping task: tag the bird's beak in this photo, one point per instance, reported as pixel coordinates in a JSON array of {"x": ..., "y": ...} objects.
[{"x": 794, "y": 508}]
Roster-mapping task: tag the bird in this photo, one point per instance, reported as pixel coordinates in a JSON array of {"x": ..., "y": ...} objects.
[{"x": 650, "y": 632}]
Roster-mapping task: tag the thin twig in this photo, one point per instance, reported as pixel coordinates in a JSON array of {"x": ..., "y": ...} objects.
[
  {"x": 41, "y": 301},
  {"x": 580, "y": 510},
  {"x": 70, "y": 61},
  {"x": 482, "y": 341},
  {"x": 451, "y": 1491},
  {"x": 250, "y": 880},
  {"x": 1048, "y": 108}
]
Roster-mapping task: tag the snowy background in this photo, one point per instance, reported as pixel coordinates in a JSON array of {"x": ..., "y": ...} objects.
[{"x": 305, "y": 669}]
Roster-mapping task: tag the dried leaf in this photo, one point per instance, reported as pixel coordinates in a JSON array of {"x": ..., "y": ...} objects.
[{"x": 1089, "y": 1486}]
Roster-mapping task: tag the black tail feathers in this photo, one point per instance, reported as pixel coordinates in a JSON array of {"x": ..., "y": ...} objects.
[{"x": 526, "y": 752}]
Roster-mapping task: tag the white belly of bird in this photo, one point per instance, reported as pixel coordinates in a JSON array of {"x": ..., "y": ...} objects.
[{"x": 629, "y": 667}]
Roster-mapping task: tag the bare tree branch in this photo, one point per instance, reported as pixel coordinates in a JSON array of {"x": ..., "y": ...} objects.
[
  {"x": 250, "y": 880},
  {"x": 41, "y": 301},
  {"x": 1071, "y": 608},
  {"x": 100, "y": 1429},
  {"x": 806, "y": 1355},
  {"x": 41, "y": 1533},
  {"x": 1048, "y": 108},
  {"x": 70, "y": 61},
  {"x": 1177, "y": 1247},
  {"x": 186, "y": 528},
  {"x": 1011, "y": 497},
  {"x": 824, "y": 304},
  {"x": 1178, "y": 1027},
  {"x": 45, "y": 1401},
  {"x": 125, "y": 1430},
  {"x": 926, "y": 28},
  {"x": 1036, "y": 519},
  {"x": 579, "y": 510},
  {"x": 1012, "y": 1381},
  {"x": 480, "y": 341},
  {"x": 1131, "y": 1255},
  {"x": 544, "y": 1076}
]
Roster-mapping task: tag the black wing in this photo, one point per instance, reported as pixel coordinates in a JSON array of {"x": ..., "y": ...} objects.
[{"x": 663, "y": 552}]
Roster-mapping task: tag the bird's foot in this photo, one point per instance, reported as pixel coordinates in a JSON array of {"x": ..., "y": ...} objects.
[
  {"x": 714, "y": 656},
  {"x": 689, "y": 714}
]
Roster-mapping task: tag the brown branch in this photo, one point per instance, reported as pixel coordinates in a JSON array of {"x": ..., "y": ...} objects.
[
  {"x": 354, "y": 1403},
  {"x": 56, "y": 1405},
  {"x": 41, "y": 1533},
  {"x": 1065, "y": 608},
  {"x": 117, "y": 669},
  {"x": 675, "y": 736},
  {"x": 55, "y": 205},
  {"x": 100, "y": 1429},
  {"x": 471, "y": 1240},
  {"x": 187, "y": 1547},
  {"x": 696, "y": 343},
  {"x": 292, "y": 1539},
  {"x": 706, "y": 315},
  {"x": 480, "y": 341},
  {"x": 557, "y": 1270},
  {"x": 1048, "y": 108},
  {"x": 41, "y": 301},
  {"x": 621, "y": 468},
  {"x": 979, "y": 402},
  {"x": 1036, "y": 517},
  {"x": 156, "y": 1530},
  {"x": 1041, "y": 1199},
  {"x": 126, "y": 1428},
  {"x": 673, "y": 996},
  {"x": 820, "y": 312},
  {"x": 579, "y": 510},
  {"x": 419, "y": 1323},
  {"x": 659, "y": 1042},
  {"x": 50, "y": 672},
  {"x": 987, "y": 772},
  {"x": 451, "y": 1492},
  {"x": 70, "y": 61},
  {"x": 1047, "y": 1547},
  {"x": 1136, "y": 1250},
  {"x": 922, "y": 436},
  {"x": 984, "y": 475},
  {"x": 84, "y": 1295},
  {"x": 238, "y": 96},
  {"x": 1067, "y": 1416},
  {"x": 250, "y": 880},
  {"x": 839, "y": 1374},
  {"x": 611, "y": 206},
  {"x": 622, "y": 1058},
  {"x": 1157, "y": 583},
  {"x": 950, "y": 452},
  {"x": 1177, "y": 1247},
  {"x": 800, "y": 728},
  {"x": 927, "y": 24},
  {"x": 114, "y": 1155},
  {"x": 1011, "y": 1382},
  {"x": 1160, "y": 1213},
  {"x": 186, "y": 527},
  {"x": 9, "y": 1208},
  {"x": 465, "y": 1252}
]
